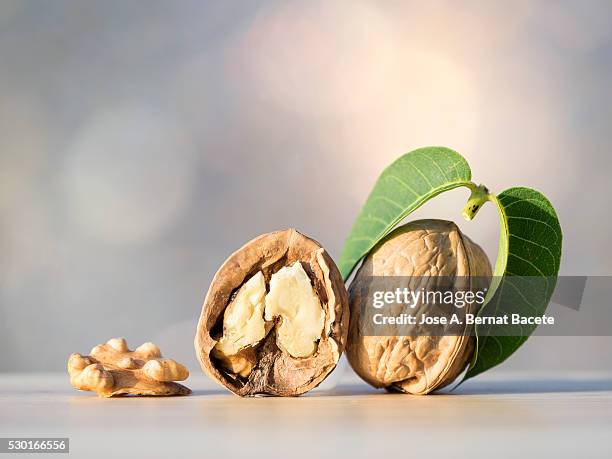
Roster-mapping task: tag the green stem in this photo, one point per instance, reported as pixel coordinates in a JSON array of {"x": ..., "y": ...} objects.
[{"x": 480, "y": 194}]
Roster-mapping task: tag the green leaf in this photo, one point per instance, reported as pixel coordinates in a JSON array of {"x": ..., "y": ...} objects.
[
  {"x": 529, "y": 247},
  {"x": 402, "y": 188}
]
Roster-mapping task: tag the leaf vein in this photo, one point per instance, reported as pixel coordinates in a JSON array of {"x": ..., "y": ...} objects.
[
  {"x": 433, "y": 160},
  {"x": 521, "y": 295},
  {"x": 554, "y": 258},
  {"x": 512, "y": 254},
  {"x": 404, "y": 184},
  {"x": 415, "y": 167},
  {"x": 516, "y": 217}
]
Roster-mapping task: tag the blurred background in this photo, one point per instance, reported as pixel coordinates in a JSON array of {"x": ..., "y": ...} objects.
[{"x": 142, "y": 142}]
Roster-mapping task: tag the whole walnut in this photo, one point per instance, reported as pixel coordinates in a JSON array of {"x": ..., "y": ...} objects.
[
  {"x": 422, "y": 253},
  {"x": 275, "y": 318}
]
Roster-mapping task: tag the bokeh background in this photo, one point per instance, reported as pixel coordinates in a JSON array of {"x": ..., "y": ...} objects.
[{"x": 141, "y": 142}]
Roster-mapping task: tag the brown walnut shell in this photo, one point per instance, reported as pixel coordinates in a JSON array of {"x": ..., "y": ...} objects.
[
  {"x": 419, "y": 251},
  {"x": 275, "y": 372}
]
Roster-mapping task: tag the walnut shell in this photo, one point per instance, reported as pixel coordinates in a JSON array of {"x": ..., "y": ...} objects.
[
  {"x": 419, "y": 250},
  {"x": 274, "y": 371}
]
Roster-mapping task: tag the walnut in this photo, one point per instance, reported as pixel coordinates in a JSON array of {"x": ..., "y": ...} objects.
[
  {"x": 112, "y": 369},
  {"x": 422, "y": 251},
  {"x": 275, "y": 319}
]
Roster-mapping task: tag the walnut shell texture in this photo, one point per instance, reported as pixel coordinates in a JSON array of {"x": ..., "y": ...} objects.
[
  {"x": 275, "y": 372},
  {"x": 421, "y": 251}
]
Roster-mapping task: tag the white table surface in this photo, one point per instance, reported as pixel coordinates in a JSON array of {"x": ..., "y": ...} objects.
[{"x": 496, "y": 415}]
